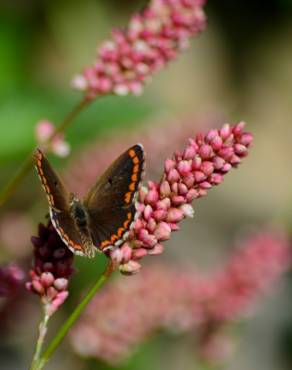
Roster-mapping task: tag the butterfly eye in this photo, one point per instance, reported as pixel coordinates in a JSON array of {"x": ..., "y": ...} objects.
[{"x": 110, "y": 181}]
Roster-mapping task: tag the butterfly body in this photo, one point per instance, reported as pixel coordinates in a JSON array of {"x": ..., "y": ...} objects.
[{"x": 103, "y": 219}]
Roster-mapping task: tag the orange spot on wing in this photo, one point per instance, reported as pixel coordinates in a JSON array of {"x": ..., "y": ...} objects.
[
  {"x": 120, "y": 231},
  {"x": 129, "y": 215},
  {"x": 135, "y": 160},
  {"x": 132, "y": 153},
  {"x": 132, "y": 186},
  {"x": 128, "y": 197},
  {"x": 126, "y": 223},
  {"x": 134, "y": 177},
  {"x": 114, "y": 238},
  {"x": 136, "y": 168},
  {"x": 105, "y": 243}
]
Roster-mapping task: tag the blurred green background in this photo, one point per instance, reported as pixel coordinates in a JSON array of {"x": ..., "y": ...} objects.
[{"x": 239, "y": 68}]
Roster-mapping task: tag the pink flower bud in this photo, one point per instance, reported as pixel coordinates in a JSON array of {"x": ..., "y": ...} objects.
[
  {"x": 184, "y": 167},
  {"x": 227, "y": 167},
  {"x": 174, "y": 215},
  {"x": 206, "y": 151},
  {"x": 217, "y": 143},
  {"x": 199, "y": 176},
  {"x": 151, "y": 225},
  {"x": 130, "y": 268},
  {"x": 218, "y": 162},
  {"x": 61, "y": 284},
  {"x": 79, "y": 82},
  {"x": 162, "y": 231},
  {"x": 235, "y": 160},
  {"x": 182, "y": 189},
  {"x": 207, "y": 167},
  {"x": 165, "y": 189},
  {"x": 44, "y": 130},
  {"x": 216, "y": 178},
  {"x": 225, "y": 131},
  {"x": 158, "y": 249},
  {"x": 240, "y": 149},
  {"x": 246, "y": 139},
  {"x": 139, "y": 253},
  {"x": 177, "y": 200},
  {"x": 47, "y": 279},
  {"x": 169, "y": 164},
  {"x": 187, "y": 210},
  {"x": 192, "y": 194},
  {"x": 146, "y": 238},
  {"x": 189, "y": 152},
  {"x": 116, "y": 256},
  {"x": 51, "y": 293},
  {"x": 159, "y": 214},
  {"x": 211, "y": 135},
  {"x": 189, "y": 180},
  {"x": 197, "y": 161},
  {"x": 174, "y": 188},
  {"x": 126, "y": 252},
  {"x": 147, "y": 212},
  {"x": 163, "y": 204},
  {"x": 173, "y": 176},
  {"x": 226, "y": 153},
  {"x": 152, "y": 196},
  {"x": 205, "y": 185},
  {"x": 237, "y": 129},
  {"x": 38, "y": 287}
]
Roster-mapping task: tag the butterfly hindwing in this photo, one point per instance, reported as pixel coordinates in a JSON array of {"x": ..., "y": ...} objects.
[{"x": 110, "y": 202}]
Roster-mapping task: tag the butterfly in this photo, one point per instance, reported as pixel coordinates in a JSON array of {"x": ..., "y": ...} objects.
[{"x": 102, "y": 220}]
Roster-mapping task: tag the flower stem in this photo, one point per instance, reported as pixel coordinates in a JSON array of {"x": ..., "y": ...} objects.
[
  {"x": 43, "y": 327},
  {"x": 10, "y": 187},
  {"x": 53, "y": 345}
]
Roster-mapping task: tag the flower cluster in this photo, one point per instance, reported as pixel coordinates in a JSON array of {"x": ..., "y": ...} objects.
[
  {"x": 44, "y": 131},
  {"x": 151, "y": 40},
  {"x": 188, "y": 176},
  {"x": 181, "y": 300},
  {"x": 51, "y": 269}
]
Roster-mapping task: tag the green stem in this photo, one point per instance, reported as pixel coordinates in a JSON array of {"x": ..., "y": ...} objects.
[
  {"x": 53, "y": 345},
  {"x": 10, "y": 187},
  {"x": 43, "y": 328},
  {"x": 12, "y": 184}
]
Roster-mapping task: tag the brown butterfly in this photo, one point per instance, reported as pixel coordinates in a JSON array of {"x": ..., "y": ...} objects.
[{"x": 103, "y": 219}]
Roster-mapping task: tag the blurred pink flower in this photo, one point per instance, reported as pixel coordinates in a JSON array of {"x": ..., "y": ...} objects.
[
  {"x": 152, "y": 39},
  {"x": 11, "y": 278},
  {"x": 187, "y": 176},
  {"x": 44, "y": 130},
  {"x": 126, "y": 313},
  {"x": 51, "y": 269}
]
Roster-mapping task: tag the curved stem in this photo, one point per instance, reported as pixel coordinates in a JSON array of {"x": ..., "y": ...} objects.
[
  {"x": 12, "y": 184},
  {"x": 53, "y": 345},
  {"x": 9, "y": 188},
  {"x": 43, "y": 327}
]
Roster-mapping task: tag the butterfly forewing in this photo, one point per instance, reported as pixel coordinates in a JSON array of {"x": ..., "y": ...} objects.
[
  {"x": 110, "y": 202},
  {"x": 58, "y": 198},
  {"x": 57, "y": 194}
]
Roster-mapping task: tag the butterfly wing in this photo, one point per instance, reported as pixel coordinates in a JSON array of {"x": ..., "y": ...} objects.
[
  {"x": 59, "y": 203},
  {"x": 110, "y": 203}
]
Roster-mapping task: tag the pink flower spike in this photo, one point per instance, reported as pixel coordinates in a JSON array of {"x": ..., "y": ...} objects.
[
  {"x": 164, "y": 204},
  {"x": 152, "y": 39}
]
